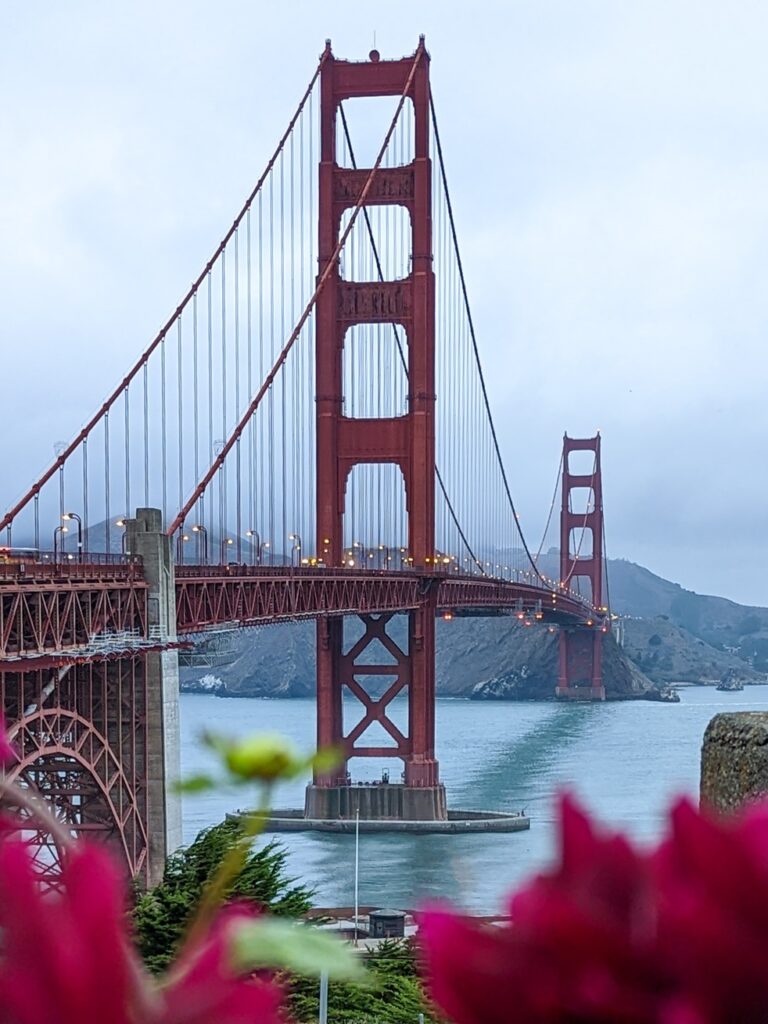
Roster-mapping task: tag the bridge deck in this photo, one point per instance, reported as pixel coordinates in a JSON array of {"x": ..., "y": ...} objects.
[{"x": 49, "y": 610}]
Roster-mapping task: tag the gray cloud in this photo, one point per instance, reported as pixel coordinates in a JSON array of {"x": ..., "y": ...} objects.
[{"x": 607, "y": 163}]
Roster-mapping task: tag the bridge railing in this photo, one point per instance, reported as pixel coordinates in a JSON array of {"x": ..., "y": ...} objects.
[{"x": 44, "y": 565}]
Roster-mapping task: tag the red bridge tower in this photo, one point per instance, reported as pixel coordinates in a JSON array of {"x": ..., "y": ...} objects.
[
  {"x": 581, "y": 559},
  {"x": 407, "y": 441}
]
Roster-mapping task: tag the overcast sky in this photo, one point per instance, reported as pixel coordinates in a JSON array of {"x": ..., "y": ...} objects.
[{"x": 609, "y": 168}]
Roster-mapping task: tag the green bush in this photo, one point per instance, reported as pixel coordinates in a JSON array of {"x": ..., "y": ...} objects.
[
  {"x": 395, "y": 995},
  {"x": 161, "y": 914}
]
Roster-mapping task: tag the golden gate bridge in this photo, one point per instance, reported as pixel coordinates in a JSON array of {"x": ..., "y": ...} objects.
[{"x": 309, "y": 436}]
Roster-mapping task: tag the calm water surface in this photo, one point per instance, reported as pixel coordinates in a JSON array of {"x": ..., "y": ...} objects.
[{"x": 625, "y": 760}]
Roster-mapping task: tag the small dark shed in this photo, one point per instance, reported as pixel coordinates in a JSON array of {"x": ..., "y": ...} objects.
[{"x": 386, "y": 924}]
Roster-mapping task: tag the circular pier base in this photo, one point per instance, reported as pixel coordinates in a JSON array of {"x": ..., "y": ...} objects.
[{"x": 456, "y": 823}]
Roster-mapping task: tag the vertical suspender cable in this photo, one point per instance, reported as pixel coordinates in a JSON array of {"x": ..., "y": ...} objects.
[
  {"x": 86, "y": 521},
  {"x": 127, "y": 502},
  {"x": 180, "y": 385},
  {"x": 163, "y": 434},
  {"x": 238, "y": 487},
  {"x": 224, "y": 386},
  {"x": 271, "y": 395},
  {"x": 449, "y": 208},
  {"x": 195, "y": 393},
  {"x": 249, "y": 341},
  {"x": 107, "y": 526},
  {"x": 146, "y": 440}
]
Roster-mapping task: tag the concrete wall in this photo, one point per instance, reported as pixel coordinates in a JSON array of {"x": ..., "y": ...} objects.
[
  {"x": 734, "y": 759},
  {"x": 145, "y": 537}
]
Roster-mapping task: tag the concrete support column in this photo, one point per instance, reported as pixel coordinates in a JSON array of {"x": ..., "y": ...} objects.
[{"x": 146, "y": 538}]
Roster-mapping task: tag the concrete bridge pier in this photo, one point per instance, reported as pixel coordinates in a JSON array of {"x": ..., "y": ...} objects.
[{"x": 146, "y": 538}]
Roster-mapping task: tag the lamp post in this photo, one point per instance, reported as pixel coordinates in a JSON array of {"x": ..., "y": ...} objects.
[
  {"x": 56, "y": 532},
  {"x": 255, "y": 545},
  {"x": 296, "y": 538},
  {"x": 201, "y": 533},
  {"x": 181, "y": 540},
  {"x": 68, "y": 516},
  {"x": 326, "y": 550},
  {"x": 226, "y": 542},
  {"x": 262, "y": 547},
  {"x": 121, "y": 522}
]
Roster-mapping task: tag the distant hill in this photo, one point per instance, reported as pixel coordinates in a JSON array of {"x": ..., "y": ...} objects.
[{"x": 670, "y": 635}]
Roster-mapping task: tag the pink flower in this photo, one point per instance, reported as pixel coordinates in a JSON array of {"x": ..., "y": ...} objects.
[
  {"x": 713, "y": 911},
  {"x": 581, "y": 946},
  {"x": 205, "y": 990},
  {"x": 68, "y": 959},
  {"x": 7, "y": 753},
  {"x": 64, "y": 959}
]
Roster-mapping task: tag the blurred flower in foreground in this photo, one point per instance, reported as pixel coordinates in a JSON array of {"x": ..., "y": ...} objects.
[
  {"x": 7, "y": 753},
  {"x": 679, "y": 936},
  {"x": 713, "y": 911},
  {"x": 67, "y": 958}
]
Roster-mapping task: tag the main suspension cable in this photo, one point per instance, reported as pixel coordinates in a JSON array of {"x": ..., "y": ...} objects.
[
  {"x": 396, "y": 333},
  {"x": 159, "y": 339},
  {"x": 537, "y": 556},
  {"x": 465, "y": 294},
  {"x": 287, "y": 347}
]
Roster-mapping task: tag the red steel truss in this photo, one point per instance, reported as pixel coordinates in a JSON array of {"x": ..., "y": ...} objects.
[
  {"x": 80, "y": 734},
  {"x": 47, "y": 609},
  {"x": 210, "y": 596}
]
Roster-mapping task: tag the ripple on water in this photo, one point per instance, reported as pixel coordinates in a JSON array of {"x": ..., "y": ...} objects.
[{"x": 625, "y": 760}]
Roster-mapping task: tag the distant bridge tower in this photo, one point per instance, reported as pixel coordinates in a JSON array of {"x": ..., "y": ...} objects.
[
  {"x": 407, "y": 441},
  {"x": 581, "y": 560}
]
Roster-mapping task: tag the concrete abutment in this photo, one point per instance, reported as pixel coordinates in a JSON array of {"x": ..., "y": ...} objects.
[{"x": 146, "y": 538}]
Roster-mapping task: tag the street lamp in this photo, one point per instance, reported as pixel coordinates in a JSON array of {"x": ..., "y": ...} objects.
[
  {"x": 225, "y": 543},
  {"x": 262, "y": 546},
  {"x": 201, "y": 533},
  {"x": 296, "y": 538},
  {"x": 56, "y": 532},
  {"x": 255, "y": 546},
  {"x": 181, "y": 539},
  {"x": 67, "y": 516},
  {"x": 122, "y": 522}
]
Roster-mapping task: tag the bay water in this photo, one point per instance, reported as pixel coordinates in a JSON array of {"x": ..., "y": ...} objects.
[{"x": 626, "y": 761}]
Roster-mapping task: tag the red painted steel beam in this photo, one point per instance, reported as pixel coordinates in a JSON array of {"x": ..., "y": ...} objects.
[
  {"x": 210, "y": 596},
  {"x": 44, "y": 610}
]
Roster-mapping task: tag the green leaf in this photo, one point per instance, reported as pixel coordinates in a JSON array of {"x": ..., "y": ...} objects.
[
  {"x": 272, "y": 943},
  {"x": 194, "y": 784},
  {"x": 327, "y": 759},
  {"x": 265, "y": 757}
]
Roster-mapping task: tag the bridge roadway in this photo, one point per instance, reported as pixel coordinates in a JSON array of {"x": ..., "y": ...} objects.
[{"x": 52, "y": 613}]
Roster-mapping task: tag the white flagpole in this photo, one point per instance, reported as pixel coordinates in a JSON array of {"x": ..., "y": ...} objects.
[{"x": 357, "y": 867}]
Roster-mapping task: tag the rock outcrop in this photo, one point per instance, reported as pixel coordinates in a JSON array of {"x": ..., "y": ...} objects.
[{"x": 511, "y": 662}]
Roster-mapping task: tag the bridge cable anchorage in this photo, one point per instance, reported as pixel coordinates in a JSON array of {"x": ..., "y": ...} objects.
[
  {"x": 473, "y": 337},
  {"x": 141, "y": 364},
  {"x": 398, "y": 341},
  {"x": 329, "y": 269}
]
